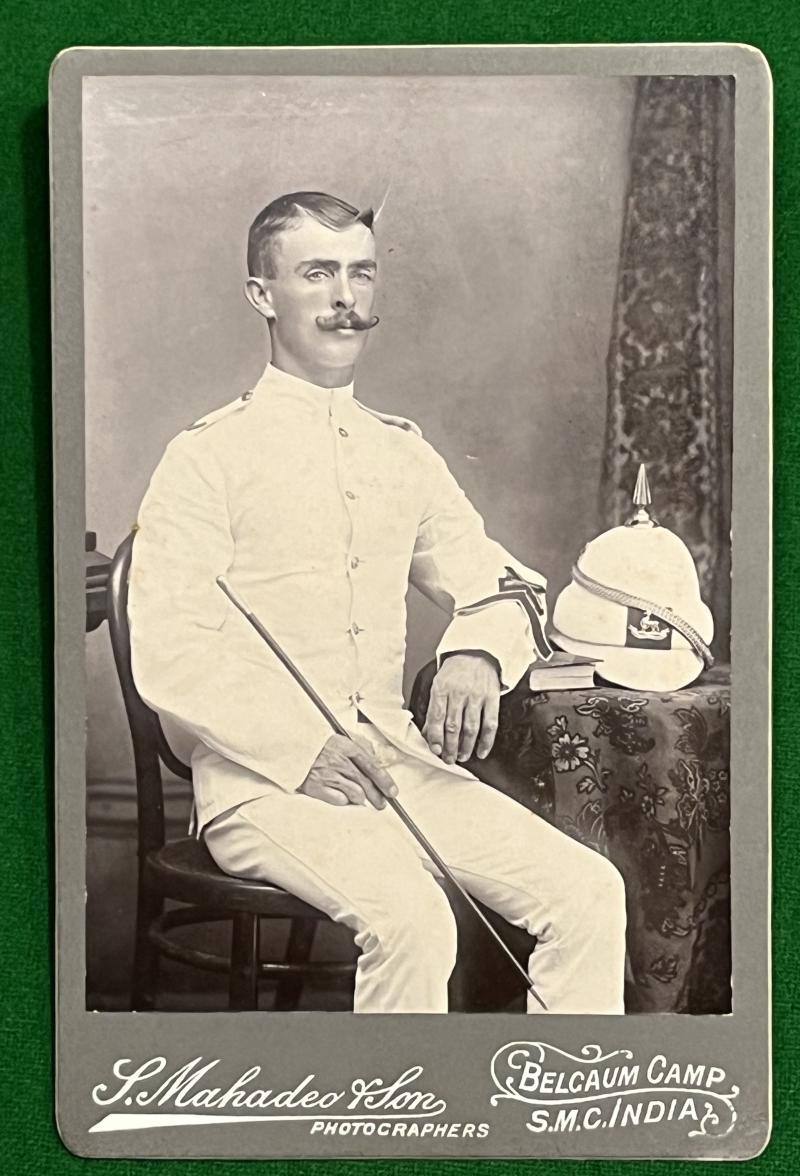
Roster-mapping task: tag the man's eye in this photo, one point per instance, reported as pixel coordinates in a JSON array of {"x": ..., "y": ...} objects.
[
  {"x": 316, "y": 275},
  {"x": 364, "y": 275}
]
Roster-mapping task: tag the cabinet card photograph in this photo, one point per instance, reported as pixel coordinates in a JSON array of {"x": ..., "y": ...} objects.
[{"x": 412, "y": 467}]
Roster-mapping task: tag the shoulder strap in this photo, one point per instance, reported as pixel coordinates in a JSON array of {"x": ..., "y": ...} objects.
[
  {"x": 219, "y": 413},
  {"x": 391, "y": 419}
]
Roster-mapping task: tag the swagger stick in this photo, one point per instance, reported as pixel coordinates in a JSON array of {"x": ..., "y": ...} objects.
[{"x": 337, "y": 727}]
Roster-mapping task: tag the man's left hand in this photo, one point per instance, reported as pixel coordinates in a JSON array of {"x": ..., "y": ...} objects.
[{"x": 463, "y": 707}]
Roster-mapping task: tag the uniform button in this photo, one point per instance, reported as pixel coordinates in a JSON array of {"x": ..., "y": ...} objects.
[
  {"x": 355, "y": 561},
  {"x": 355, "y": 629},
  {"x": 356, "y": 698},
  {"x": 343, "y": 432},
  {"x": 349, "y": 494}
]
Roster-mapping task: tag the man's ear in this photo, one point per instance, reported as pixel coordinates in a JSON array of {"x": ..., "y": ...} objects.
[{"x": 257, "y": 293}]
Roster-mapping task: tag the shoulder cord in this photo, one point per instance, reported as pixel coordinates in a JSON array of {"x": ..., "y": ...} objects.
[{"x": 646, "y": 606}]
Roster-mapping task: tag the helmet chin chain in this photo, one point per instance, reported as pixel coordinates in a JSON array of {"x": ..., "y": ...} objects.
[{"x": 664, "y": 614}]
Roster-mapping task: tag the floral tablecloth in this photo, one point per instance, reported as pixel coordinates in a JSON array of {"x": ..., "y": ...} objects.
[{"x": 644, "y": 779}]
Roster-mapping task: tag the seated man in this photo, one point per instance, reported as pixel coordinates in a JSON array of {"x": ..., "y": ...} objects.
[{"x": 320, "y": 511}]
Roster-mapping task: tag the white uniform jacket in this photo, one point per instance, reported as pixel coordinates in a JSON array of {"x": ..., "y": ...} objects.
[{"x": 319, "y": 512}]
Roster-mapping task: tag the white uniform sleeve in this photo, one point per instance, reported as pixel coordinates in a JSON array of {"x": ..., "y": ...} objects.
[
  {"x": 498, "y": 604},
  {"x": 184, "y": 665}
]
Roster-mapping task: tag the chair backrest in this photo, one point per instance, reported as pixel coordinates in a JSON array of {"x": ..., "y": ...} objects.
[{"x": 150, "y": 747}]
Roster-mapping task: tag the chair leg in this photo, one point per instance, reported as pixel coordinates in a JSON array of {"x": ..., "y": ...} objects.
[
  {"x": 243, "y": 983},
  {"x": 149, "y": 907},
  {"x": 298, "y": 951}
]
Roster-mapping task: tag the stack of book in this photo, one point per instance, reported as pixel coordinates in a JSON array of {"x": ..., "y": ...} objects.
[{"x": 564, "y": 671}]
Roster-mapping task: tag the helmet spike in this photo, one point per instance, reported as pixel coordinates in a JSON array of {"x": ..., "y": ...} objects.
[
  {"x": 642, "y": 498},
  {"x": 641, "y": 493}
]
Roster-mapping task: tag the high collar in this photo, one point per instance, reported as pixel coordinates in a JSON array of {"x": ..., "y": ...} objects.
[{"x": 276, "y": 384}]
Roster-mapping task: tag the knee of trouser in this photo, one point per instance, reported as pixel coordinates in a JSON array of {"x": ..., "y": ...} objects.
[
  {"x": 590, "y": 895},
  {"x": 421, "y": 927}
]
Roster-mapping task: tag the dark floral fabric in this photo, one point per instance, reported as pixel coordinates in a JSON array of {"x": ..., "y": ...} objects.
[
  {"x": 664, "y": 372},
  {"x": 644, "y": 779},
  {"x": 669, "y": 373}
]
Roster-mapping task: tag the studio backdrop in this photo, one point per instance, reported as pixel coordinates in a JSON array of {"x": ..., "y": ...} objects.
[{"x": 554, "y": 295}]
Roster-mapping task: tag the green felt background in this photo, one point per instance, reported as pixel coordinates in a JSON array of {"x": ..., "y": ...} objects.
[{"x": 30, "y": 36}]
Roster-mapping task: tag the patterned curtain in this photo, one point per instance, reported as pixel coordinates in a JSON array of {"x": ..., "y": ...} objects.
[{"x": 669, "y": 363}]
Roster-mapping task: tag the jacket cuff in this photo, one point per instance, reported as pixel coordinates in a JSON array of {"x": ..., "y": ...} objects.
[{"x": 501, "y": 630}]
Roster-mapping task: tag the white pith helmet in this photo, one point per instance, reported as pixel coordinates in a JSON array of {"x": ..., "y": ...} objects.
[{"x": 634, "y": 604}]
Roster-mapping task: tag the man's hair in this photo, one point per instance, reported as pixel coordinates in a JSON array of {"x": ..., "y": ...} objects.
[{"x": 286, "y": 211}]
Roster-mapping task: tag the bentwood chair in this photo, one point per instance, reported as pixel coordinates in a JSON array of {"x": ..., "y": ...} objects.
[{"x": 184, "y": 871}]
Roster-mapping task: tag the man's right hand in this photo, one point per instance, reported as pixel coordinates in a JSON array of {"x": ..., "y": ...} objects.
[{"x": 346, "y": 772}]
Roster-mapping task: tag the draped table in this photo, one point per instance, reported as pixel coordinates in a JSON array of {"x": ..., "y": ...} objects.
[{"x": 644, "y": 779}]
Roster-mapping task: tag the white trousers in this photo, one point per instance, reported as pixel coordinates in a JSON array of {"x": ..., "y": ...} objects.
[{"x": 363, "y": 868}]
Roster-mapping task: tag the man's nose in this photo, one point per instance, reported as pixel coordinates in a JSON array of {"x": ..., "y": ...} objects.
[{"x": 343, "y": 298}]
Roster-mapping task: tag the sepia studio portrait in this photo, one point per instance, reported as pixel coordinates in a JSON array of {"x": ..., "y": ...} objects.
[{"x": 408, "y": 453}]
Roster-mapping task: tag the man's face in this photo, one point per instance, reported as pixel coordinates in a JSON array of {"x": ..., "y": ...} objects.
[{"x": 321, "y": 275}]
